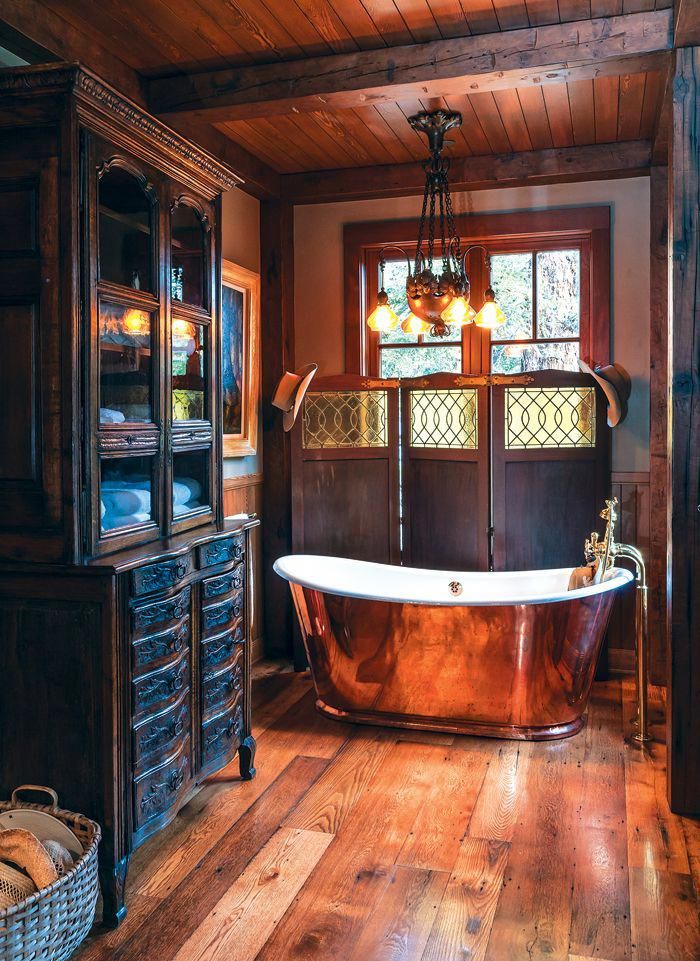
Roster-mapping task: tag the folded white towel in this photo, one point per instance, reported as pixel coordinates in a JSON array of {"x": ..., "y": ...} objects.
[
  {"x": 109, "y": 416},
  {"x": 186, "y": 489},
  {"x": 132, "y": 501},
  {"x": 111, "y": 521},
  {"x": 139, "y": 481}
]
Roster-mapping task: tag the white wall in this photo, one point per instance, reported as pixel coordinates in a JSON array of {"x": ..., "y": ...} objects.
[
  {"x": 240, "y": 243},
  {"x": 318, "y": 280}
]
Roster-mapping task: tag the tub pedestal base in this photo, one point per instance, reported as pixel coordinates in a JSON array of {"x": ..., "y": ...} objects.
[{"x": 512, "y": 732}]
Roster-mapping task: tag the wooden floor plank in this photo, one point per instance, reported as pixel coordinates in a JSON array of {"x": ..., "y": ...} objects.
[
  {"x": 600, "y": 923},
  {"x": 357, "y": 868},
  {"x": 664, "y": 916},
  {"x": 655, "y": 836},
  {"x": 245, "y": 917},
  {"x": 496, "y": 810},
  {"x": 328, "y": 803},
  {"x": 398, "y": 928},
  {"x": 434, "y": 842},
  {"x": 179, "y": 915},
  {"x": 464, "y": 919},
  {"x": 533, "y": 918},
  {"x": 284, "y": 691}
]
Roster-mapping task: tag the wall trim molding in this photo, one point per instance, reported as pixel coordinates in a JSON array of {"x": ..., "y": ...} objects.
[{"x": 245, "y": 480}]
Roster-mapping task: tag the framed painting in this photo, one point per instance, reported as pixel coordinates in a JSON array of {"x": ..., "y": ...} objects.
[{"x": 240, "y": 380}]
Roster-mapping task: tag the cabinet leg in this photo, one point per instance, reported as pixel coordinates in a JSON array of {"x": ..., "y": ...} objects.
[
  {"x": 113, "y": 882},
  {"x": 246, "y": 757}
]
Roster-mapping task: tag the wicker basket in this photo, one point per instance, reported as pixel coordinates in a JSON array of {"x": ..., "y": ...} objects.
[{"x": 51, "y": 923}]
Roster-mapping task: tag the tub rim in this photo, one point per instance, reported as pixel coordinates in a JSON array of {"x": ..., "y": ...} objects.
[{"x": 615, "y": 579}]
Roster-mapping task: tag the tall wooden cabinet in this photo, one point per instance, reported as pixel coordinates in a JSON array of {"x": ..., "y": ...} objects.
[{"x": 124, "y": 652}]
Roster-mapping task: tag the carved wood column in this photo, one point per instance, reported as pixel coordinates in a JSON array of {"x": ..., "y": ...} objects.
[
  {"x": 659, "y": 532},
  {"x": 277, "y": 330},
  {"x": 684, "y": 675}
]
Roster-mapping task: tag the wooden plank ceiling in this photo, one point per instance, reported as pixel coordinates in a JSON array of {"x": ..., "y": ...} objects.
[{"x": 161, "y": 37}]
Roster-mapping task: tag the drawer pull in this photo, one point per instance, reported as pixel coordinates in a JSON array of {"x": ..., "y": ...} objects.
[
  {"x": 218, "y": 733},
  {"x": 158, "y": 796},
  {"x": 219, "y": 690},
  {"x": 218, "y": 552}
]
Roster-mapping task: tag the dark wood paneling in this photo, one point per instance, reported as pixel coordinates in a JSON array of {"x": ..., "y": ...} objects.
[
  {"x": 346, "y": 511},
  {"x": 446, "y": 521},
  {"x": 18, "y": 392},
  {"x": 684, "y": 242},
  {"x": 277, "y": 354}
]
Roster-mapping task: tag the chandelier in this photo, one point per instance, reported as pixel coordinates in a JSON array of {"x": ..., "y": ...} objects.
[{"x": 438, "y": 298}]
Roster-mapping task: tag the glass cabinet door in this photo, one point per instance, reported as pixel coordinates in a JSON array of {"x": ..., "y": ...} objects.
[
  {"x": 191, "y": 375},
  {"x": 126, "y": 323},
  {"x": 126, "y": 230},
  {"x": 126, "y": 363}
]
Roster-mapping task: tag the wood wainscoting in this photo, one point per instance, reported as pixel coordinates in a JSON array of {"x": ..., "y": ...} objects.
[
  {"x": 244, "y": 495},
  {"x": 633, "y": 491}
]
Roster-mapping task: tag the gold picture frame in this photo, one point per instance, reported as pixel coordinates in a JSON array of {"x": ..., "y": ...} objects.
[{"x": 240, "y": 339}]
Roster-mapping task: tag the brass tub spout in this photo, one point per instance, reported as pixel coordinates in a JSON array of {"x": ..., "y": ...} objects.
[{"x": 602, "y": 555}]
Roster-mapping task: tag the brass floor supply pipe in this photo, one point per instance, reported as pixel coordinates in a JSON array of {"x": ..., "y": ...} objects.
[
  {"x": 641, "y": 735},
  {"x": 602, "y": 554}
]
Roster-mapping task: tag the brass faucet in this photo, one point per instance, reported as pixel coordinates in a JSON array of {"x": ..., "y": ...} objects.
[{"x": 601, "y": 554}]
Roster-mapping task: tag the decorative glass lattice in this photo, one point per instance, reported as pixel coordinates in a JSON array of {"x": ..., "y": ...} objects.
[
  {"x": 539, "y": 417},
  {"x": 445, "y": 418},
  {"x": 345, "y": 418}
]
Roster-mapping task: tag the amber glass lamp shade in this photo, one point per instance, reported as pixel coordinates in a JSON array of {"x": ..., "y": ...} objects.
[
  {"x": 458, "y": 312},
  {"x": 135, "y": 321},
  {"x": 382, "y": 318},
  {"x": 414, "y": 325},
  {"x": 490, "y": 316}
]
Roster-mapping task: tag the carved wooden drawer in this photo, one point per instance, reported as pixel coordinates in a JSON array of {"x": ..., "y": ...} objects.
[
  {"x": 222, "y": 551},
  {"x": 149, "y": 652},
  {"x": 155, "y": 690},
  {"x": 160, "y": 734},
  {"x": 149, "y": 618},
  {"x": 159, "y": 790},
  {"x": 222, "y": 734},
  {"x": 160, "y": 577},
  {"x": 221, "y": 688},
  {"x": 219, "y": 616},
  {"x": 215, "y": 587},
  {"x": 219, "y": 649}
]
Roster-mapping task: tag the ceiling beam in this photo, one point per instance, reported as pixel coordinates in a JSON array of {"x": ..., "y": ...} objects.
[
  {"x": 560, "y": 165},
  {"x": 606, "y": 46},
  {"x": 47, "y": 35}
]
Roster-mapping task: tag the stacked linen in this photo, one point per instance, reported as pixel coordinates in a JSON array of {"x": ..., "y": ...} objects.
[
  {"x": 187, "y": 494},
  {"x": 125, "y": 502}
]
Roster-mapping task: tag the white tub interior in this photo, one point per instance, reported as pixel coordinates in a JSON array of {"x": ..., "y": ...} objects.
[{"x": 411, "y": 585}]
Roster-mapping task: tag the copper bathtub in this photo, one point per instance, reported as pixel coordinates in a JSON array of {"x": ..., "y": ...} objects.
[{"x": 498, "y": 654}]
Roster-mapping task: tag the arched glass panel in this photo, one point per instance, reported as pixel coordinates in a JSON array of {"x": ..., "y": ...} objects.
[
  {"x": 188, "y": 260},
  {"x": 125, "y": 228}
]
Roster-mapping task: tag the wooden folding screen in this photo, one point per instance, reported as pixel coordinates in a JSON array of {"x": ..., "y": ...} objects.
[
  {"x": 445, "y": 472},
  {"x": 550, "y": 469},
  {"x": 525, "y": 458},
  {"x": 345, "y": 483}
]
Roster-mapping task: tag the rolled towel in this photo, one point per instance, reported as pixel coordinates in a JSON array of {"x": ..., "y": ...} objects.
[
  {"x": 109, "y": 416},
  {"x": 110, "y": 521},
  {"x": 121, "y": 502},
  {"x": 186, "y": 489}
]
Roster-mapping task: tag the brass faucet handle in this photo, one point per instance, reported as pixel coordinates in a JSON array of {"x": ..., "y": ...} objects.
[{"x": 609, "y": 512}]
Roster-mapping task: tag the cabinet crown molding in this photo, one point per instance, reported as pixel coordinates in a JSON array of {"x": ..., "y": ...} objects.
[{"x": 102, "y": 104}]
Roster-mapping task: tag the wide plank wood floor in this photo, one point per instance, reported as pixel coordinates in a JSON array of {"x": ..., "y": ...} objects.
[{"x": 369, "y": 844}]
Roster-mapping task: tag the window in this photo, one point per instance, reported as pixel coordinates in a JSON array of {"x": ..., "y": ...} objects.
[
  {"x": 412, "y": 355},
  {"x": 540, "y": 293},
  {"x": 551, "y": 273}
]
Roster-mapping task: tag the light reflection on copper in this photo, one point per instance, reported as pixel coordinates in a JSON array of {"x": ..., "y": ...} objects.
[{"x": 518, "y": 671}]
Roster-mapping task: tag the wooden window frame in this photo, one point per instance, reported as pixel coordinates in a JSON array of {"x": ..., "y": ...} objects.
[{"x": 585, "y": 228}]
